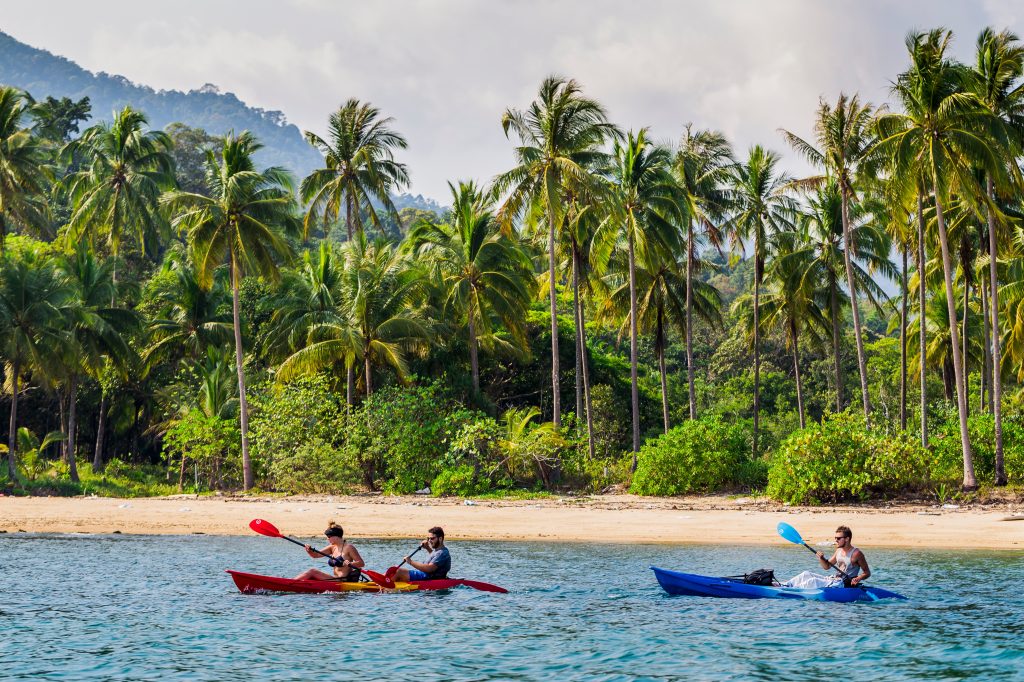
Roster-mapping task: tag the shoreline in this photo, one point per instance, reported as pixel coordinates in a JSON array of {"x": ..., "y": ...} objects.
[{"x": 600, "y": 518}]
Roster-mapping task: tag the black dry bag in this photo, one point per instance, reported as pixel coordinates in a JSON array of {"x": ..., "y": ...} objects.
[{"x": 762, "y": 576}]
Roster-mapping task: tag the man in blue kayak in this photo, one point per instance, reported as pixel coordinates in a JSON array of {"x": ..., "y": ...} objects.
[
  {"x": 437, "y": 565},
  {"x": 847, "y": 558}
]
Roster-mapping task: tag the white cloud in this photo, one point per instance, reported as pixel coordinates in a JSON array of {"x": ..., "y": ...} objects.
[{"x": 446, "y": 69}]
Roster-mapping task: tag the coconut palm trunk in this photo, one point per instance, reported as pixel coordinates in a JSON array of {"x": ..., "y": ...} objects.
[
  {"x": 101, "y": 426},
  {"x": 997, "y": 384},
  {"x": 474, "y": 361},
  {"x": 854, "y": 306},
  {"x": 12, "y": 437},
  {"x": 243, "y": 405},
  {"x": 581, "y": 327},
  {"x": 659, "y": 336},
  {"x": 350, "y": 383},
  {"x": 634, "y": 383},
  {"x": 689, "y": 320},
  {"x": 834, "y": 306},
  {"x": 556, "y": 397},
  {"x": 578, "y": 381},
  {"x": 922, "y": 320},
  {"x": 985, "y": 374},
  {"x": 369, "y": 373},
  {"x": 795, "y": 336},
  {"x": 757, "y": 345},
  {"x": 903, "y": 341},
  {"x": 101, "y": 432},
  {"x": 348, "y": 215},
  {"x": 72, "y": 427},
  {"x": 963, "y": 341},
  {"x": 970, "y": 482}
]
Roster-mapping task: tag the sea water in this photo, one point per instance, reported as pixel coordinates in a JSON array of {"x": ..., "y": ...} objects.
[{"x": 121, "y": 607}]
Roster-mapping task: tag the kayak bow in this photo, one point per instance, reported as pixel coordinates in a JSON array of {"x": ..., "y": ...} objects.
[
  {"x": 251, "y": 582},
  {"x": 693, "y": 585}
]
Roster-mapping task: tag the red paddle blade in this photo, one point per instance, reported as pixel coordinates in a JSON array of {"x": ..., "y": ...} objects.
[
  {"x": 381, "y": 580},
  {"x": 264, "y": 528},
  {"x": 483, "y": 587},
  {"x": 390, "y": 573}
]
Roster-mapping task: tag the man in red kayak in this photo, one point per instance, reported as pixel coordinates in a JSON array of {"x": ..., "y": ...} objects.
[
  {"x": 344, "y": 558},
  {"x": 437, "y": 564},
  {"x": 847, "y": 558}
]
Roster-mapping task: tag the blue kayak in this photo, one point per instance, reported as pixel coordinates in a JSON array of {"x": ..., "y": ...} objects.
[{"x": 693, "y": 585}]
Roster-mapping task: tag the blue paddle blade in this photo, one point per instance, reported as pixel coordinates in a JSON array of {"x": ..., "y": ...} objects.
[{"x": 790, "y": 533}]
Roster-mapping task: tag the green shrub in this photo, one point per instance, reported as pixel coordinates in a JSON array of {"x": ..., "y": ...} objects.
[
  {"x": 460, "y": 481},
  {"x": 298, "y": 435},
  {"x": 698, "y": 456},
  {"x": 401, "y": 434},
  {"x": 210, "y": 444},
  {"x": 947, "y": 452},
  {"x": 840, "y": 459}
]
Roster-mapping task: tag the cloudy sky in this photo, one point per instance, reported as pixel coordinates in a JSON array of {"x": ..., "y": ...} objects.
[{"x": 447, "y": 69}]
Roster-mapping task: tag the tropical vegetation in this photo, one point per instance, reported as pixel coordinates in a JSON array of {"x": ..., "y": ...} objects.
[{"x": 176, "y": 316}]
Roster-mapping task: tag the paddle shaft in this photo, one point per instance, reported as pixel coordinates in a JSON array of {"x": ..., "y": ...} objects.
[
  {"x": 374, "y": 577},
  {"x": 418, "y": 548},
  {"x": 303, "y": 545},
  {"x": 841, "y": 571}
]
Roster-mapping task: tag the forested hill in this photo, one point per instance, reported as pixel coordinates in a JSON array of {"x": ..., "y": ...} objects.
[{"x": 44, "y": 74}]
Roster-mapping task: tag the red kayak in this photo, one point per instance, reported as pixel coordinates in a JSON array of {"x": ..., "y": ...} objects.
[{"x": 251, "y": 582}]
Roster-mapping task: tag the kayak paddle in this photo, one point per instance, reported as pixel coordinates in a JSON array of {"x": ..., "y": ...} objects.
[
  {"x": 790, "y": 533},
  {"x": 483, "y": 587},
  {"x": 270, "y": 530},
  {"x": 389, "y": 575},
  {"x": 267, "y": 528},
  {"x": 475, "y": 584}
]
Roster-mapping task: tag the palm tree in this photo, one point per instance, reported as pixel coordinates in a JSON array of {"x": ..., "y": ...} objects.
[
  {"x": 762, "y": 208},
  {"x": 795, "y": 302},
  {"x": 560, "y": 135},
  {"x": 313, "y": 307},
  {"x": 823, "y": 241},
  {"x": 117, "y": 191},
  {"x": 588, "y": 249},
  {"x": 124, "y": 170},
  {"x": 897, "y": 213},
  {"x": 947, "y": 132},
  {"x": 487, "y": 277},
  {"x": 702, "y": 166},
  {"x": 845, "y": 138},
  {"x": 241, "y": 222},
  {"x": 661, "y": 303},
  {"x": 33, "y": 313},
  {"x": 187, "y": 318},
  {"x": 22, "y": 173},
  {"x": 376, "y": 318},
  {"x": 360, "y": 168},
  {"x": 997, "y": 81},
  {"x": 97, "y": 330},
  {"x": 647, "y": 210}
]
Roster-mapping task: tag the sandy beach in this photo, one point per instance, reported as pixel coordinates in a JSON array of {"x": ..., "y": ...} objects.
[{"x": 605, "y": 518}]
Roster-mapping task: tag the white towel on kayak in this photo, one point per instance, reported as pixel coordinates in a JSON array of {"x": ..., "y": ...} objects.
[{"x": 811, "y": 580}]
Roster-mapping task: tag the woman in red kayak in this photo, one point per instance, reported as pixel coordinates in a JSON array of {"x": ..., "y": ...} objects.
[{"x": 344, "y": 557}]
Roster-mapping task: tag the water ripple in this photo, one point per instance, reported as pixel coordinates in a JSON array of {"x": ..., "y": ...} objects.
[{"x": 141, "y": 608}]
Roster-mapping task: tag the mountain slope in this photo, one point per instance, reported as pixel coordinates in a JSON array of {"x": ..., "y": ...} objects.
[{"x": 42, "y": 73}]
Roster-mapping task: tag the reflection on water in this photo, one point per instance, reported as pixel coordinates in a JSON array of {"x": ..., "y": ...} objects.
[{"x": 145, "y": 607}]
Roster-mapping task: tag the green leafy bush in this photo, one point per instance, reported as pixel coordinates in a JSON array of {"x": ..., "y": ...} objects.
[
  {"x": 461, "y": 481},
  {"x": 841, "y": 459},
  {"x": 698, "y": 456},
  {"x": 401, "y": 434},
  {"x": 947, "y": 454},
  {"x": 298, "y": 435},
  {"x": 211, "y": 444}
]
